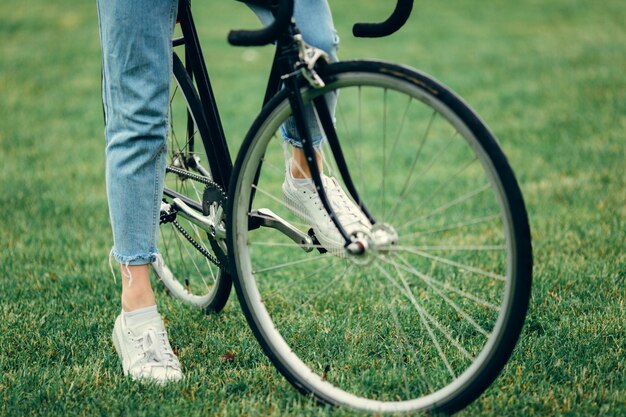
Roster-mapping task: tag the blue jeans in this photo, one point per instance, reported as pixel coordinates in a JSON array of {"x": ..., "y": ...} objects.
[{"x": 135, "y": 36}]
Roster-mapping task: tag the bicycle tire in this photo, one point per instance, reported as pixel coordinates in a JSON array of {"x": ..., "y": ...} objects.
[
  {"x": 190, "y": 270},
  {"x": 438, "y": 329}
]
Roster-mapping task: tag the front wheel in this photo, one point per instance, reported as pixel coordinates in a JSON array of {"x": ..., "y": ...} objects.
[{"x": 424, "y": 323}]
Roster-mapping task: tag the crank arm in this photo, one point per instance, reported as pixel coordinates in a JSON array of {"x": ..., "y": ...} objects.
[
  {"x": 199, "y": 220},
  {"x": 267, "y": 218}
]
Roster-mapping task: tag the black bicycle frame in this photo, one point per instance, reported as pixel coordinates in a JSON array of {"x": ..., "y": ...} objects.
[
  {"x": 214, "y": 139},
  {"x": 210, "y": 128}
]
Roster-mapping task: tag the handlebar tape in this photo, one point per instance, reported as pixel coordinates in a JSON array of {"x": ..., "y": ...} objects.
[{"x": 377, "y": 30}]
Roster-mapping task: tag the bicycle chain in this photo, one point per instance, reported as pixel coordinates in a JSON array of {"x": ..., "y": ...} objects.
[
  {"x": 164, "y": 218},
  {"x": 195, "y": 177},
  {"x": 196, "y": 245}
]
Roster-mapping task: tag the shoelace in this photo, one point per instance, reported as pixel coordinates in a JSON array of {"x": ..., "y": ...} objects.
[
  {"x": 344, "y": 208},
  {"x": 155, "y": 348}
]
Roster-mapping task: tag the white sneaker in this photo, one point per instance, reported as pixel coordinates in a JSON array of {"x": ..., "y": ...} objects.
[
  {"x": 305, "y": 203},
  {"x": 145, "y": 351}
]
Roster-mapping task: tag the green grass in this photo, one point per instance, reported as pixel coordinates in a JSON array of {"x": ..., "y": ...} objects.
[{"x": 547, "y": 76}]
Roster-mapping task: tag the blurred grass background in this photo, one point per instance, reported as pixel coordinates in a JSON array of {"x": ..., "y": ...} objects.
[{"x": 547, "y": 76}]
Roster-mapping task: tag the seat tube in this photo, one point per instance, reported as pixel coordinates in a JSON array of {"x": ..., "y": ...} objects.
[{"x": 215, "y": 145}]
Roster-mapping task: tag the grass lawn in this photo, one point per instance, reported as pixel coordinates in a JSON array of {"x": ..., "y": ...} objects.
[{"x": 548, "y": 78}]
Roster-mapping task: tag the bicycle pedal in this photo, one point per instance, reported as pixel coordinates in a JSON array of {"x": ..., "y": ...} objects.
[{"x": 316, "y": 243}]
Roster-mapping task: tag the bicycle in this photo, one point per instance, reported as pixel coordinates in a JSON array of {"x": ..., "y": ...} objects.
[{"x": 421, "y": 313}]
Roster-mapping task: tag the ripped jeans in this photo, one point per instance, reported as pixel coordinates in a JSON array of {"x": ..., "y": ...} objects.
[{"x": 135, "y": 37}]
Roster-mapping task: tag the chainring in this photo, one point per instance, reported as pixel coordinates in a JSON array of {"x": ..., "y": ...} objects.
[{"x": 213, "y": 206}]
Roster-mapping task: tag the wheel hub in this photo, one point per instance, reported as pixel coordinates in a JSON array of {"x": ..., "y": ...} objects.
[{"x": 366, "y": 246}]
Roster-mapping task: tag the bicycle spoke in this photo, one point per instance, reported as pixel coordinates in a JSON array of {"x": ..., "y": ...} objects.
[
  {"x": 410, "y": 348},
  {"x": 446, "y": 286},
  {"x": 446, "y": 334},
  {"x": 452, "y": 248},
  {"x": 172, "y": 129},
  {"x": 444, "y": 149},
  {"x": 180, "y": 244},
  {"x": 447, "y": 206},
  {"x": 285, "y": 265},
  {"x": 470, "y": 222},
  {"x": 359, "y": 153},
  {"x": 282, "y": 244},
  {"x": 444, "y": 185},
  {"x": 406, "y": 291},
  {"x": 348, "y": 135},
  {"x": 199, "y": 236},
  {"x": 384, "y": 154},
  {"x": 394, "y": 314},
  {"x": 451, "y": 303},
  {"x": 400, "y": 128},
  {"x": 312, "y": 274},
  {"x": 193, "y": 261},
  {"x": 320, "y": 292},
  {"x": 405, "y": 188},
  {"x": 454, "y": 264},
  {"x": 437, "y": 324}
]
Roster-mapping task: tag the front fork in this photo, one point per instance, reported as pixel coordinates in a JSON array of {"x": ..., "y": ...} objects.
[{"x": 305, "y": 70}]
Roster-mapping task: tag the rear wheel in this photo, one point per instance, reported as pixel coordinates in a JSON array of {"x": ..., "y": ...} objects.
[
  {"x": 425, "y": 322},
  {"x": 193, "y": 262}
]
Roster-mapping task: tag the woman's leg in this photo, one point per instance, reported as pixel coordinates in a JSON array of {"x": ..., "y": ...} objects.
[
  {"x": 315, "y": 21},
  {"x": 137, "y": 63}
]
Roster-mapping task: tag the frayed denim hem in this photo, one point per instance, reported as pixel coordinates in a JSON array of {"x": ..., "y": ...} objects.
[
  {"x": 141, "y": 259},
  {"x": 126, "y": 261},
  {"x": 318, "y": 141}
]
